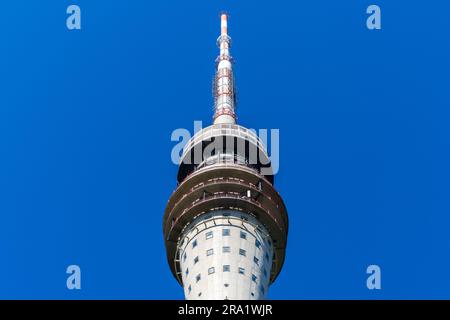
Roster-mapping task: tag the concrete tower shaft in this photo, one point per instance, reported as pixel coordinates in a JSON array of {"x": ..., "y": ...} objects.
[
  {"x": 225, "y": 226},
  {"x": 226, "y": 254}
]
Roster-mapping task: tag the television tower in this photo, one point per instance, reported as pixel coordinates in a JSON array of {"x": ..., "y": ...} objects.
[{"x": 225, "y": 226}]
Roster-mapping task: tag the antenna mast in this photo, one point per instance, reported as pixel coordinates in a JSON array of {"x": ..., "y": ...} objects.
[{"x": 224, "y": 91}]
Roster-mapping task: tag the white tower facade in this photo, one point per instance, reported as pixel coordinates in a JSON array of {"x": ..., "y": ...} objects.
[
  {"x": 225, "y": 226},
  {"x": 226, "y": 255}
]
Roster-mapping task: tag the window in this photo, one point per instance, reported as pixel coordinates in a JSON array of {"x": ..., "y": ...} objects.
[
  {"x": 226, "y": 268},
  {"x": 200, "y": 294},
  {"x": 243, "y": 235},
  {"x": 241, "y": 270},
  {"x": 226, "y": 249},
  {"x": 195, "y": 259},
  {"x": 189, "y": 288},
  {"x": 225, "y": 232},
  {"x": 209, "y": 252},
  {"x": 211, "y": 270},
  {"x": 261, "y": 288},
  {"x": 267, "y": 256},
  {"x": 194, "y": 244},
  {"x": 187, "y": 271},
  {"x": 252, "y": 294},
  {"x": 269, "y": 242},
  {"x": 257, "y": 243},
  {"x": 184, "y": 257},
  {"x": 256, "y": 260},
  {"x": 242, "y": 252},
  {"x": 254, "y": 278},
  {"x": 265, "y": 272},
  {"x": 209, "y": 235},
  {"x": 198, "y": 277},
  {"x": 226, "y": 285}
]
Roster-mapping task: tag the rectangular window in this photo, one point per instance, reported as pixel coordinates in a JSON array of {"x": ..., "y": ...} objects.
[
  {"x": 241, "y": 270},
  {"x": 209, "y": 235},
  {"x": 257, "y": 243},
  {"x": 209, "y": 252},
  {"x": 254, "y": 278},
  {"x": 267, "y": 256},
  {"x": 265, "y": 272},
  {"x": 242, "y": 252},
  {"x": 256, "y": 260},
  {"x": 184, "y": 257},
  {"x": 194, "y": 244},
  {"x": 195, "y": 259},
  {"x": 211, "y": 270},
  {"x": 189, "y": 288},
  {"x": 226, "y": 249},
  {"x": 198, "y": 277},
  {"x": 187, "y": 271},
  {"x": 243, "y": 235},
  {"x": 225, "y": 232},
  {"x": 226, "y": 268}
]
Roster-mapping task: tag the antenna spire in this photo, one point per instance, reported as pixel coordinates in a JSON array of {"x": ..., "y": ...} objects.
[
  {"x": 224, "y": 24},
  {"x": 224, "y": 91}
]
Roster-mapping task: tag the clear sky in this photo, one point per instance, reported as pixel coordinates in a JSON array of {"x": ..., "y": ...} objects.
[{"x": 86, "y": 118}]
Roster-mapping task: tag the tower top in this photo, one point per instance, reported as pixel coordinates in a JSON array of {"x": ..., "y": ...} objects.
[
  {"x": 224, "y": 24},
  {"x": 224, "y": 90}
]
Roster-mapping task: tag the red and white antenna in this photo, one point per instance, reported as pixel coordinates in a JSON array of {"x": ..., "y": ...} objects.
[{"x": 224, "y": 91}]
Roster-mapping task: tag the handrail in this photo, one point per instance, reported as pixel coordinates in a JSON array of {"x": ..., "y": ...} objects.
[
  {"x": 222, "y": 196},
  {"x": 217, "y": 181}
]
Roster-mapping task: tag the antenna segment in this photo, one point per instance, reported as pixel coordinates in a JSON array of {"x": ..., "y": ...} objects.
[{"x": 224, "y": 90}]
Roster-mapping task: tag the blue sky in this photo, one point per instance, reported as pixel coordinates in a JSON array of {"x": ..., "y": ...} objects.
[{"x": 86, "y": 118}]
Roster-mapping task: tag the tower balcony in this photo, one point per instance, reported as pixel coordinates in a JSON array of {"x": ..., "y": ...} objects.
[
  {"x": 225, "y": 186},
  {"x": 224, "y": 139}
]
